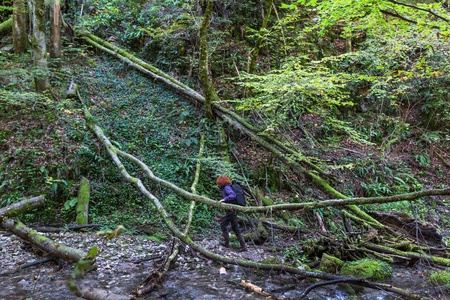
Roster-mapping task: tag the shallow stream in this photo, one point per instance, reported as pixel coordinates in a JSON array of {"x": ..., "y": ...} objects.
[{"x": 193, "y": 278}]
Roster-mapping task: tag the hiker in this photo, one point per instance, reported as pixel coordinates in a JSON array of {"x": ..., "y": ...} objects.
[{"x": 229, "y": 196}]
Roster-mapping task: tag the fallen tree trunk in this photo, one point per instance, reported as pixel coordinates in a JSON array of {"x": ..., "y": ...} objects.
[
  {"x": 113, "y": 152},
  {"x": 6, "y": 27},
  {"x": 47, "y": 245},
  {"x": 22, "y": 206}
]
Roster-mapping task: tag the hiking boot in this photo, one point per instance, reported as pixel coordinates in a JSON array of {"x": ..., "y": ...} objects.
[
  {"x": 226, "y": 239},
  {"x": 242, "y": 243}
]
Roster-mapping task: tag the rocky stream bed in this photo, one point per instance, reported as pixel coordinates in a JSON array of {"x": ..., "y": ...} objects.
[{"x": 192, "y": 278}]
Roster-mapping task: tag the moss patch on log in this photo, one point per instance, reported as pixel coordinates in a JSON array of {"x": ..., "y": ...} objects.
[
  {"x": 368, "y": 268},
  {"x": 330, "y": 264}
]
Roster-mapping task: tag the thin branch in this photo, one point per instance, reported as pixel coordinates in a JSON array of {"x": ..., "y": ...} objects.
[
  {"x": 397, "y": 15},
  {"x": 419, "y": 8}
]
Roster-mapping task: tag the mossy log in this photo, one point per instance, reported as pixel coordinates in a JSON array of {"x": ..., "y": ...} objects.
[
  {"x": 47, "y": 245},
  {"x": 83, "y": 203},
  {"x": 113, "y": 152},
  {"x": 22, "y": 206},
  {"x": 6, "y": 27},
  {"x": 72, "y": 91},
  {"x": 292, "y": 229},
  {"x": 220, "y": 111},
  {"x": 412, "y": 255},
  {"x": 295, "y": 206}
]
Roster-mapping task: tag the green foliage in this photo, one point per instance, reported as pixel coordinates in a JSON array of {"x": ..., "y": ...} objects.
[
  {"x": 302, "y": 87},
  {"x": 439, "y": 277},
  {"x": 295, "y": 253},
  {"x": 371, "y": 15},
  {"x": 382, "y": 178}
]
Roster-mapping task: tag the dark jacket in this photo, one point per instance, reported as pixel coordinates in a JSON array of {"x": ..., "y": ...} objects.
[{"x": 228, "y": 194}]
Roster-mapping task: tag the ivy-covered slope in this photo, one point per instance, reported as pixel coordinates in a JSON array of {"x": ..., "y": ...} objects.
[{"x": 47, "y": 147}]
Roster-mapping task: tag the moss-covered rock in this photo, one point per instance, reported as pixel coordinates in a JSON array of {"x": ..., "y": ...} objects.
[
  {"x": 330, "y": 264},
  {"x": 367, "y": 268},
  {"x": 439, "y": 277}
]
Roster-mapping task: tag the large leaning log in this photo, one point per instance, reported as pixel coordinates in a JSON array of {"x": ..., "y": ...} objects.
[
  {"x": 47, "y": 245},
  {"x": 22, "y": 206}
]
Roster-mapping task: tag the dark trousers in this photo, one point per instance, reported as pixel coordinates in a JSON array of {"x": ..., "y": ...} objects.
[{"x": 230, "y": 218}]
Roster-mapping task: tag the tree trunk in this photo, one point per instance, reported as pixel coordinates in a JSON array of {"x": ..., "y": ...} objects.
[
  {"x": 47, "y": 245},
  {"x": 210, "y": 93},
  {"x": 348, "y": 44},
  {"x": 55, "y": 23},
  {"x": 22, "y": 206},
  {"x": 19, "y": 27},
  {"x": 252, "y": 65},
  {"x": 37, "y": 23}
]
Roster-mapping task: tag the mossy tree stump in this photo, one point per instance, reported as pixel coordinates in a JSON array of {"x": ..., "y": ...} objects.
[{"x": 83, "y": 202}]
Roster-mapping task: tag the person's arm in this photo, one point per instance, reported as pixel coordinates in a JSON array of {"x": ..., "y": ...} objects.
[{"x": 230, "y": 194}]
